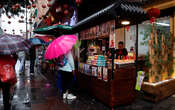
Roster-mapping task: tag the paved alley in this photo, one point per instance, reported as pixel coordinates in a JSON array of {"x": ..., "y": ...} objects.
[{"x": 40, "y": 93}]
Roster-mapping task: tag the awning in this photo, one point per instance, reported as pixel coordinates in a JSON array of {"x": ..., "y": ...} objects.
[
  {"x": 120, "y": 10},
  {"x": 53, "y": 30}
]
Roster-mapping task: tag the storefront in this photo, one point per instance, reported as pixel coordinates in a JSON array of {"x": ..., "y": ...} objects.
[{"x": 108, "y": 77}]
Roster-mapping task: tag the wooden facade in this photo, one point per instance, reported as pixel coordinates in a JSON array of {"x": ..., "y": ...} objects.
[{"x": 114, "y": 92}]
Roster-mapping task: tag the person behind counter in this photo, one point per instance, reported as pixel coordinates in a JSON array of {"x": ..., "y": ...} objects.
[{"x": 121, "y": 51}]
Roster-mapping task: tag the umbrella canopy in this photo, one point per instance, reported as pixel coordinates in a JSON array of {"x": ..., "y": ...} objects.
[
  {"x": 10, "y": 44},
  {"x": 46, "y": 38},
  {"x": 60, "y": 46},
  {"x": 36, "y": 41},
  {"x": 53, "y": 30}
]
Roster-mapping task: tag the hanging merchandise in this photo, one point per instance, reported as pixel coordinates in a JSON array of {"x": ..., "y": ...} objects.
[{"x": 153, "y": 13}]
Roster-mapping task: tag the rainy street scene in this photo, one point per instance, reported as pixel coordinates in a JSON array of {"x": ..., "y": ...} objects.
[{"x": 87, "y": 54}]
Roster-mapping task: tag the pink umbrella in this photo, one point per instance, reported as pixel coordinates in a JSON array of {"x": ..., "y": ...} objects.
[{"x": 60, "y": 46}]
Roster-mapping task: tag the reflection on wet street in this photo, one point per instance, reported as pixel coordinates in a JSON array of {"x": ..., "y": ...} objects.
[{"x": 40, "y": 93}]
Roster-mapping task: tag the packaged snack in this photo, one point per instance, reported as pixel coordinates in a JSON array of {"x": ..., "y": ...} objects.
[
  {"x": 94, "y": 71},
  {"x": 99, "y": 73},
  {"x": 105, "y": 74}
]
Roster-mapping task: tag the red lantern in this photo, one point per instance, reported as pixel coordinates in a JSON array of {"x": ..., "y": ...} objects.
[
  {"x": 49, "y": 0},
  {"x": 49, "y": 5},
  {"x": 30, "y": 19},
  {"x": 78, "y": 2},
  {"x": 9, "y": 17},
  {"x": 153, "y": 13},
  {"x": 22, "y": 17},
  {"x": 5, "y": 30},
  {"x": 66, "y": 12},
  {"x": 127, "y": 28},
  {"x": 14, "y": 7},
  {"x": 28, "y": 6},
  {"x": 28, "y": 31},
  {"x": 65, "y": 6},
  {"x": 58, "y": 9},
  {"x": 43, "y": 6},
  {"x": 34, "y": 5},
  {"x": 40, "y": 18},
  {"x": 9, "y": 22},
  {"x": 17, "y": 5},
  {"x": 0, "y": 5}
]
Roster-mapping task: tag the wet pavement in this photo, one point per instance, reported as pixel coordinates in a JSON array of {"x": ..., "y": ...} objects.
[{"x": 40, "y": 93}]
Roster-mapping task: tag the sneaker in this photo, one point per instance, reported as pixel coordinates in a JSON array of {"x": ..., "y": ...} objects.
[
  {"x": 32, "y": 74},
  {"x": 65, "y": 95},
  {"x": 71, "y": 96}
]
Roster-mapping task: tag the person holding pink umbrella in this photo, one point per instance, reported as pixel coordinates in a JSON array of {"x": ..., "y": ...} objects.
[
  {"x": 62, "y": 47},
  {"x": 67, "y": 72}
]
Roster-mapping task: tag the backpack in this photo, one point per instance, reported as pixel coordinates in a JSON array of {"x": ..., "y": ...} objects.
[{"x": 61, "y": 61}]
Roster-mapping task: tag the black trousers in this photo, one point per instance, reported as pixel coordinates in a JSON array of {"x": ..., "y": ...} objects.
[
  {"x": 67, "y": 78},
  {"x": 32, "y": 64},
  {"x": 6, "y": 95}
]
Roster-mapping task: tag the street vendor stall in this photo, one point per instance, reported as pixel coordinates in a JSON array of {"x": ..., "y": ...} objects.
[{"x": 110, "y": 79}]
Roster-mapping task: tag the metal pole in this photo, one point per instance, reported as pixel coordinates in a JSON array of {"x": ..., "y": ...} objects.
[
  {"x": 136, "y": 47},
  {"x": 26, "y": 19},
  {"x": 112, "y": 62}
]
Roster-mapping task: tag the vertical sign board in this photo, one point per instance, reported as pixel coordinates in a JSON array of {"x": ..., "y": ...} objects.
[{"x": 112, "y": 35}]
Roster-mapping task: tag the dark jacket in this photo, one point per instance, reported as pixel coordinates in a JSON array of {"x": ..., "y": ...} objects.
[
  {"x": 121, "y": 52},
  {"x": 32, "y": 53}
]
